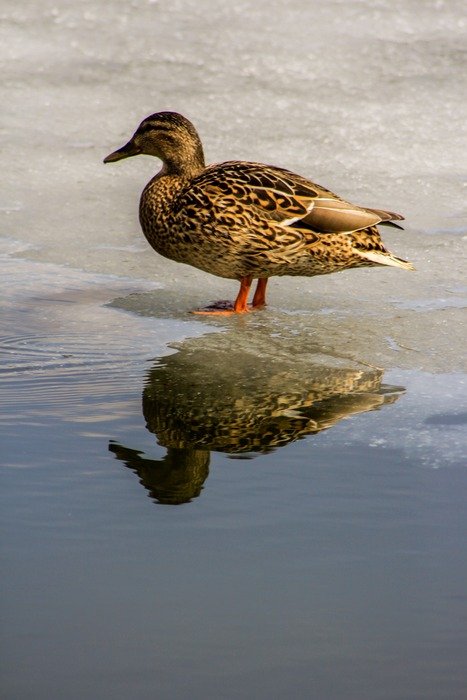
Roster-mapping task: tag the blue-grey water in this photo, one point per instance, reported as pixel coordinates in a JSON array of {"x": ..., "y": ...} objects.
[{"x": 270, "y": 506}]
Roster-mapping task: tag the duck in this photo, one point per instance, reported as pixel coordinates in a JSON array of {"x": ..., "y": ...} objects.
[{"x": 244, "y": 220}]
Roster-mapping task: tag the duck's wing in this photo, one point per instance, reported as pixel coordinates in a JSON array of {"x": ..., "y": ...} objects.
[
  {"x": 331, "y": 214},
  {"x": 287, "y": 199}
]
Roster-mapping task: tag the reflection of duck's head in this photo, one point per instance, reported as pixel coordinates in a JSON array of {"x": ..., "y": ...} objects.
[
  {"x": 233, "y": 401},
  {"x": 175, "y": 479}
]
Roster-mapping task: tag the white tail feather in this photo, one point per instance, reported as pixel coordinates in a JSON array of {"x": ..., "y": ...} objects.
[{"x": 385, "y": 259}]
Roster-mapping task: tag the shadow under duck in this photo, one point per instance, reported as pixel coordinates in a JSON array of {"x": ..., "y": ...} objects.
[{"x": 244, "y": 220}]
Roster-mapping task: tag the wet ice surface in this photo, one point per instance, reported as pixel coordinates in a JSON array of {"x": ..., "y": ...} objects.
[{"x": 316, "y": 450}]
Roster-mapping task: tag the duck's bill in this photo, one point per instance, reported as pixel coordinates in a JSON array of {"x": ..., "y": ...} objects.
[{"x": 129, "y": 149}]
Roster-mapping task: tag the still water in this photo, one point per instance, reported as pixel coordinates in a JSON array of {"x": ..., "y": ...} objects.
[{"x": 240, "y": 514}]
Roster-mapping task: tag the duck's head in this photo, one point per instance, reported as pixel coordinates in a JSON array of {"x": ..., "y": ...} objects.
[{"x": 168, "y": 136}]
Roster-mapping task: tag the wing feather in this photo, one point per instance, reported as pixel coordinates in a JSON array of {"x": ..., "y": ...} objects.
[{"x": 286, "y": 199}]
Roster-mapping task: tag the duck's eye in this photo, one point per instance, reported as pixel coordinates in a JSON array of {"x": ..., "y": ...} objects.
[
  {"x": 167, "y": 135},
  {"x": 145, "y": 128}
]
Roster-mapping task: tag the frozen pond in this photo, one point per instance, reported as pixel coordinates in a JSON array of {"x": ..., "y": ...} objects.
[{"x": 260, "y": 507}]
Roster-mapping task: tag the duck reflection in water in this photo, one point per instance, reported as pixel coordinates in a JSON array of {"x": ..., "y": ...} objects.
[{"x": 210, "y": 396}]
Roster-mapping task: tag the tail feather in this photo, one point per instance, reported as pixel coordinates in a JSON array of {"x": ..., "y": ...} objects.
[
  {"x": 385, "y": 259},
  {"x": 391, "y": 223}
]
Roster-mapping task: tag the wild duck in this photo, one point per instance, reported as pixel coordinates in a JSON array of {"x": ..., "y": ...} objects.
[{"x": 247, "y": 221}]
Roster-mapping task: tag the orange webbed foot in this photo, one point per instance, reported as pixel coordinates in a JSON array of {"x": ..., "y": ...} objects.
[
  {"x": 220, "y": 308},
  {"x": 239, "y": 306}
]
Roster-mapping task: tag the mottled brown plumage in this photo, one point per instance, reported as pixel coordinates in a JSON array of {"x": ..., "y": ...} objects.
[
  {"x": 242, "y": 397},
  {"x": 244, "y": 220}
]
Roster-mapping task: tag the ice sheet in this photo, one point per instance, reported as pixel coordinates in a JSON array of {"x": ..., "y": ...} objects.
[{"x": 366, "y": 98}]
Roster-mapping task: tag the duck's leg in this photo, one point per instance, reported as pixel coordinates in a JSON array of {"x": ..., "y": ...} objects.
[
  {"x": 259, "y": 298},
  {"x": 239, "y": 306},
  {"x": 240, "y": 303}
]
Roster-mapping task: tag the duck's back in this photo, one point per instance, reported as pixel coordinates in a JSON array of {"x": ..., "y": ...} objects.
[{"x": 238, "y": 219}]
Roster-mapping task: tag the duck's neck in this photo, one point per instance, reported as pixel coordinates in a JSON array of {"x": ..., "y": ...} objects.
[{"x": 186, "y": 164}]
